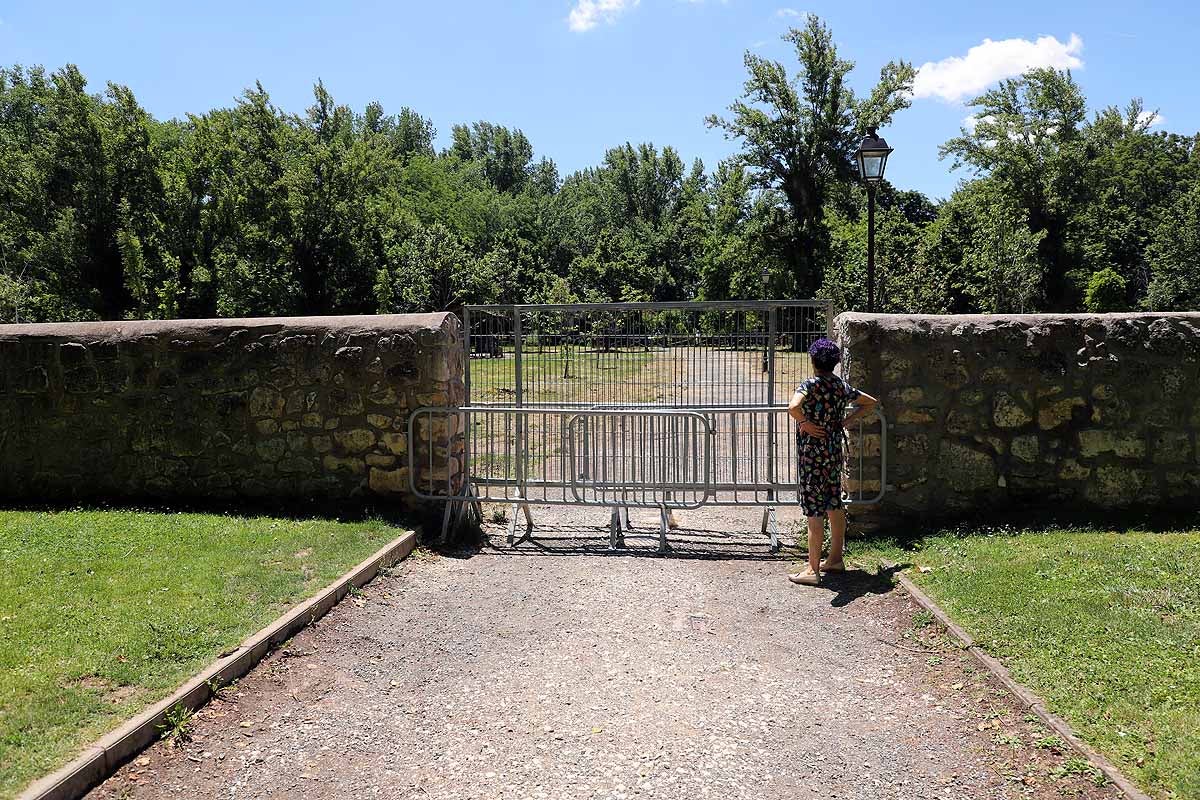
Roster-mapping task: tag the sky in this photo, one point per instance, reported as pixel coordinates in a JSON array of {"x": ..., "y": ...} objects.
[{"x": 581, "y": 76}]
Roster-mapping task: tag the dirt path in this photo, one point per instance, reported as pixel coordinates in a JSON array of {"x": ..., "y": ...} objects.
[{"x": 558, "y": 671}]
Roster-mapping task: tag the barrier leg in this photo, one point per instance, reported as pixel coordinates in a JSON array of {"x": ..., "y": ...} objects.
[
  {"x": 771, "y": 527},
  {"x": 519, "y": 506},
  {"x": 663, "y": 527},
  {"x": 616, "y": 538}
]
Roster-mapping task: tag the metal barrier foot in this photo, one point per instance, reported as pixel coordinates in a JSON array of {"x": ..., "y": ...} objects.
[
  {"x": 616, "y": 538},
  {"x": 512, "y": 523},
  {"x": 663, "y": 526},
  {"x": 770, "y": 526}
]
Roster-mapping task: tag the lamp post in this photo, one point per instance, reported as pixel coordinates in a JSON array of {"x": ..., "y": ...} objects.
[{"x": 872, "y": 155}]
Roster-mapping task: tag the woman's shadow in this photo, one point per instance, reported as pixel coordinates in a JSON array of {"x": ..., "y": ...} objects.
[{"x": 854, "y": 583}]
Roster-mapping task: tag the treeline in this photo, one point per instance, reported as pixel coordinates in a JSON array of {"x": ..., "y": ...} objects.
[{"x": 108, "y": 213}]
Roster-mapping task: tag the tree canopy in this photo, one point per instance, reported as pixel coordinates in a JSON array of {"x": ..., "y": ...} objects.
[{"x": 109, "y": 213}]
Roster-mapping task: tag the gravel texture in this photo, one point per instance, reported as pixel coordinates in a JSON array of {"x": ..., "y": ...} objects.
[{"x": 558, "y": 670}]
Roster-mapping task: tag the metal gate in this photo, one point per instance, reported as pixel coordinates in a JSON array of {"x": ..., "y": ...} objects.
[{"x": 636, "y": 405}]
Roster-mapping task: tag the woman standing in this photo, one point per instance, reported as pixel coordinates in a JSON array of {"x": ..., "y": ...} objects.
[{"x": 819, "y": 407}]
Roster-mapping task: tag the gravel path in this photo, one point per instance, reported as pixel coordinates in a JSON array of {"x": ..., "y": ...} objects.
[{"x": 560, "y": 671}]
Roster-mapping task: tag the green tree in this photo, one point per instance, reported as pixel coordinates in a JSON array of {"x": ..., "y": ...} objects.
[
  {"x": 798, "y": 133},
  {"x": 1173, "y": 255},
  {"x": 1105, "y": 292},
  {"x": 1026, "y": 138}
]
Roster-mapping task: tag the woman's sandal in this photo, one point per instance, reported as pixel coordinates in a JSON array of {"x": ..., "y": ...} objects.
[
  {"x": 805, "y": 578},
  {"x": 838, "y": 567}
]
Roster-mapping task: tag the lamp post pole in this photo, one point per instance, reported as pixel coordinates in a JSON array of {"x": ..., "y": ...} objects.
[{"x": 870, "y": 248}]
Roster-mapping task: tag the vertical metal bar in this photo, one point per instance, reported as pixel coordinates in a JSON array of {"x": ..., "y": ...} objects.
[
  {"x": 518, "y": 389},
  {"x": 771, "y": 312}
]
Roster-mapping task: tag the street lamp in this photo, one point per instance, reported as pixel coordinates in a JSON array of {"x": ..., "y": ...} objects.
[{"x": 872, "y": 155}]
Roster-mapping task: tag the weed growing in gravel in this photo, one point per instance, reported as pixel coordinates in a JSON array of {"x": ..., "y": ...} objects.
[
  {"x": 220, "y": 689},
  {"x": 1079, "y": 766},
  {"x": 922, "y": 619},
  {"x": 176, "y": 724}
]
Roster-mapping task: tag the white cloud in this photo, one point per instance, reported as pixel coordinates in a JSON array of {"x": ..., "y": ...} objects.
[
  {"x": 1152, "y": 119},
  {"x": 587, "y": 14},
  {"x": 788, "y": 12},
  {"x": 958, "y": 77}
]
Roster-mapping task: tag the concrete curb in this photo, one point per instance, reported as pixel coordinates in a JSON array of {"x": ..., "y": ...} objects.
[
  {"x": 1028, "y": 698},
  {"x": 104, "y": 756}
]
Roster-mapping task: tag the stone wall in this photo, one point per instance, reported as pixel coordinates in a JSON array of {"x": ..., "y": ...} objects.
[
  {"x": 1005, "y": 412},
  {"x": 312, "y": 409}
]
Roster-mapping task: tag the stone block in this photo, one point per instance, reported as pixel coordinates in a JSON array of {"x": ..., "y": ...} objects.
[
  {"x": 912, "y": 446},
  {"x": 389, "y": 481},
  {"x": 915, "y": 416},
  {"x": 356, "y": 440},
  {"x": 896, "y": 370},
  {"x": 1025, "y": 448},
  {"x": 344, "y": 402},
  {"x": 1071, "y": 470},
  {"x": 396, "y": 443},
  {"x": 353, "y": 465},
  {"x": 271, "y": 449},
  {"x": 1171, "y": 447},
  {"x": 1095, "y": 442},
  {"x": 971, "y": 397},
  {"x": 1059, "y": 412},
  {"x": 1116, "y": 486},
  {"x": 381, "y": 421},
  {"x": 962, "y": 422},
  {"x": 296, "y": 465},
  {"x": 266, "y": 402},
  {"x": 966, "y": 469},
  {"x": 1007, "y": 412}
]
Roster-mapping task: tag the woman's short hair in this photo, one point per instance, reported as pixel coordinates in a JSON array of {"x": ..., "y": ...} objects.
[{"x": 825, "y": 354}]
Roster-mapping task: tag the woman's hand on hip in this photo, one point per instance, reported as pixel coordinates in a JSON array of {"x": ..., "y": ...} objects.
[{"x": 812, "y": 429}]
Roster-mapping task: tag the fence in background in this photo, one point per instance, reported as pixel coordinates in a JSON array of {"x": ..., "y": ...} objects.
[{"x": 627, "y": 405}]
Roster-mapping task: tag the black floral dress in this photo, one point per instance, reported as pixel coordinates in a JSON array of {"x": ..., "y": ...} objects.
[{"x": 824, "y": 403}]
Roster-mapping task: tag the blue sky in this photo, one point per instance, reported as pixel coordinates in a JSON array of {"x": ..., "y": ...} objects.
[{"x": 579, "y": 76}]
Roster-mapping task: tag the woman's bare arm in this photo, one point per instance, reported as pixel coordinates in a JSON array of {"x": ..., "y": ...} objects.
[
  {"x": 862, "y": 406},
  {"x": 797, "y": 413}
]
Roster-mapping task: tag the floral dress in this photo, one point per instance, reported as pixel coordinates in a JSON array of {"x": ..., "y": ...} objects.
[{"x": 824, "y": 401}]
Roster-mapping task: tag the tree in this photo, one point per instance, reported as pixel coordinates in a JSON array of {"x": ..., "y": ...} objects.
[
  {"x": 1173, "y": 255},
  {"x": 432, "y": 271},
  {"x": 1025, "y": 137},
  {"x": 798, "y": 133},
  {"x": 1105, "y": 292},
  {"x": 504, "y": 156}
]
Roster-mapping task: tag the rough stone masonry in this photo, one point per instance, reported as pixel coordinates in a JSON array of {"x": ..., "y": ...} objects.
[
  {"x": 306, "y": 408},
  {"x": 1000, "y": 412}
]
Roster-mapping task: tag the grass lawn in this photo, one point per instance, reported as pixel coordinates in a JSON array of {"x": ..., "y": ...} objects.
[
  {"x": 105, "y": 612},
  {"x": 1105, "y": 625}
]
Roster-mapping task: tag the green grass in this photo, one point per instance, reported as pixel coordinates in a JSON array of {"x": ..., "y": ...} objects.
[
  {"x": 555, "y": 376},
  {"x": 1105, "y": 625},
  {"x": 105, "y": 612}
]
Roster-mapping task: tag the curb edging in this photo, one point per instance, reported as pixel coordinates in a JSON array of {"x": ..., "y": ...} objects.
[
  {"x": 101, "y": 759},
  {"x": 1028, "y": 698}
]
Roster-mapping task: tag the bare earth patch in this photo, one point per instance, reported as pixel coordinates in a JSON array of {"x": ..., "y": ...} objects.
[{"x": 557, "y": 670}]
